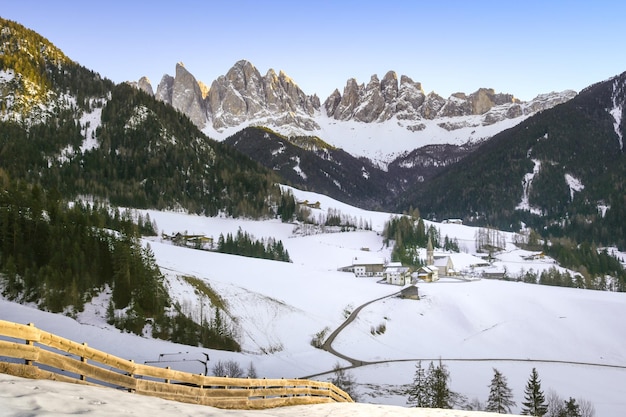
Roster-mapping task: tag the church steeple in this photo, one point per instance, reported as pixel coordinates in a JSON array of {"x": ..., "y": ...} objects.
[{"x": 430, "y": 256}]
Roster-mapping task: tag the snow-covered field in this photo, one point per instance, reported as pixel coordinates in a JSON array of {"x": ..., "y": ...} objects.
[
  {"x": 26, "y": 397},
  {"x": 574, "y": 338}
]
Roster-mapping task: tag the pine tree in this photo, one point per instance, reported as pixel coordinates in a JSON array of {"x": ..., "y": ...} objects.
[
  {"x": 419, "y": 395},
  {"x": 500, "y": 395},
  {"x": 570, "y": 409},
  {"x": 534, "y": 403},
  {"x": 441, "y": 394}
]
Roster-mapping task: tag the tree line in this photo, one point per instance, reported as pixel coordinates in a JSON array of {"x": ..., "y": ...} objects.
[
  {"x": 409, "y": 233},
  {"x": 431, "y": 389},
  {"x": 245, "y": 244}
]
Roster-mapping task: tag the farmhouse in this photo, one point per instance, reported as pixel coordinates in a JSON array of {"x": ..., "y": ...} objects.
[
  {"x": 396, "y": 274},
  {"x": 365, "y": 268},
  {"x": 428, "y": 273}
]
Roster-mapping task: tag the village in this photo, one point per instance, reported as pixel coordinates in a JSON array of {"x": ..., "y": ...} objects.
[{"x": 454, "y": 265}]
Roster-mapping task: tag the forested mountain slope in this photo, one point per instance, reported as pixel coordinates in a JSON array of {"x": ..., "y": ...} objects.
[
  {"x": 561, "y": 171},
  {"x": 65, "y": 127}
]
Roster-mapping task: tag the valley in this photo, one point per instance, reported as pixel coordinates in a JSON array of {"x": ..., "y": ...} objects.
[{"x": 276, "y": 308}]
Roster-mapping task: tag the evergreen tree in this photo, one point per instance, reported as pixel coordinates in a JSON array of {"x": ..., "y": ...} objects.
[
  {"x": 534, "y": 403},
  {"x": 431, "y": 388},
  {"x": 500, "y": 395},
  {"x": 252, "y": 371},
  {"x": 439, "y": 378},
  {"x": 570, "y": 409},
  {"x": 419, "y": 393}
]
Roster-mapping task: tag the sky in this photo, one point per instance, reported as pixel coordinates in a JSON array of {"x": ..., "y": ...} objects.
[{"x": 521, "y": 48}]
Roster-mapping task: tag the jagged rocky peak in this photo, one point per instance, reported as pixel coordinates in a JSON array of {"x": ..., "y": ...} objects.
[
  {"x": 381, "y": 100},
  {"x": 187, "y": 96},
  {"x": 377, "y": 101},
  {"x": 283, "y": 94},
  {"x": 184, "y": 93},
  {"x": 145, "y": 85},
  {"x": 477, "y": 103},
  {"x": 164, "y": 89},
  {"x": 243, "y": 95}
]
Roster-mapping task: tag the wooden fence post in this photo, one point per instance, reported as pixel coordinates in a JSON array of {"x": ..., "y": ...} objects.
[
  {"x": 30, "y": 343},
  {"x": 132, "y": 375},
  {"x": 83, "y": 360}
]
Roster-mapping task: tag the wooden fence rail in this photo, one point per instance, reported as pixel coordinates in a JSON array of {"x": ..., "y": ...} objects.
[{"x": 29, "y": 352}]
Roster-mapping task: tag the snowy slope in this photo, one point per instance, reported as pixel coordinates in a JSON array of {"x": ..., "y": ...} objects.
[
  {"x": 383, "y": 142},
  {"x": 20, "y": 397},
  {"x": 573, "y": 337}
]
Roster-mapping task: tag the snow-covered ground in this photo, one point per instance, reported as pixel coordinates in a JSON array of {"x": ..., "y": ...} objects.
[
  {"x": 26, "y": 397},
  {"x": 574, "y": 338},
  {"x": 382, "y": 142}
]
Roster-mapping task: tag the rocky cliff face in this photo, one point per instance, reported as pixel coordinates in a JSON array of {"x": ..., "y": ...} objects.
[
  {"x": 379, "y": 101},
  {"x": 184, "y": 93},
  {"x": 243, "y": 95},
  {"x": 240, "y": 96}
]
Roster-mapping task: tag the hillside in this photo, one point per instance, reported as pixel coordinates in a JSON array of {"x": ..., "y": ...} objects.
[
  {"x": 66, "y": 128},
  {"x": 558, "y": 171},
  {"x": 277, "y": 308},
  {"x": 309, "y": 163}
]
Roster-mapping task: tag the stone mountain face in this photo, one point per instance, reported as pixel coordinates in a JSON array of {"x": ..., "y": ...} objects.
[
  {"x": 240, "y": 96},
  {"x": 244, "y": 96},
  {"x": 184, "y": 93},
  {"x": 379, "y": 101}
]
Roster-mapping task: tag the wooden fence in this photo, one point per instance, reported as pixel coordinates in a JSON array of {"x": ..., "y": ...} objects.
[{"x": 27, "y": 351}]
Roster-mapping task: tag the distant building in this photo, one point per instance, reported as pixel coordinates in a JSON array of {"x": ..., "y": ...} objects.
[
  {"x": 444, "y": 266},
  {"x": 428, "y": 273},
  {"x": 315, "y": 205},
  {"x": 410, "y": 293},
  {"x": 365, "y": 268},
  {"x": 452, "y": 221},
  {"x": 494, "y": 275},
  {"x": 396, "y": 274}
]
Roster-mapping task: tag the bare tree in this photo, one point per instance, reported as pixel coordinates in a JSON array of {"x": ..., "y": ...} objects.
[
  {"x": 345, "y": 381},
  {"x": 554, "y": 403},
  {"x": 586, "y": 408},
  {"x": 228, "y": 368}
]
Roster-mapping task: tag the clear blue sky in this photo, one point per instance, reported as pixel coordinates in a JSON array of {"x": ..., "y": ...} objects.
[{"x": 522, "y": 47}]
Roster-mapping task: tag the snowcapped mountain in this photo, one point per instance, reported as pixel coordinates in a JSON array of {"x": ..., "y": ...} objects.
[{"x": 361, "y": 120}]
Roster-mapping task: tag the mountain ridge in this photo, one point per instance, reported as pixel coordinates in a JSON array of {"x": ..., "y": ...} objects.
[{"x": 244, "y": 97}]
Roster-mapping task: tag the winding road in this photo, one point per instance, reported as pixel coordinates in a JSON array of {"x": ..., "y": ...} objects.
[
  {"x": 355, "y": 363},
  {"x": 328, "y": 344}
]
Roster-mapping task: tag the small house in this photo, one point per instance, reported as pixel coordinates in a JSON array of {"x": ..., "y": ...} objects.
[
  {"x": 428, "y": 273},
  {"x": 410, "y": 293},
  {"x": 396, "y": 274}
]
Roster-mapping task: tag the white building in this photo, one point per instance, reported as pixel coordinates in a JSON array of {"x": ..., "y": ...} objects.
[{"x": 396, "y": 274}]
